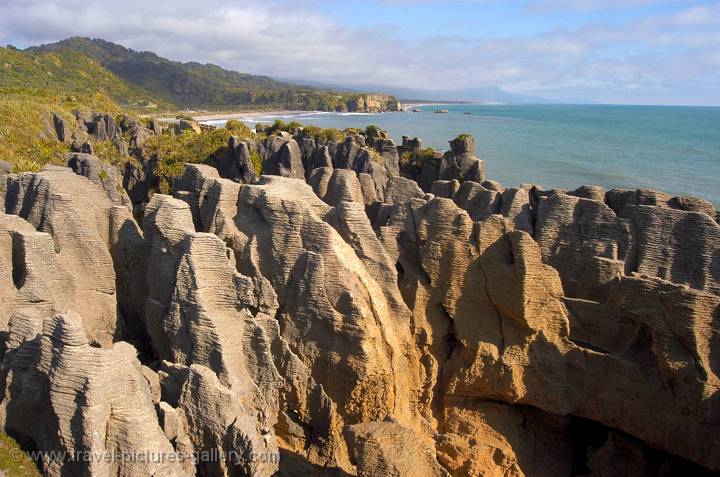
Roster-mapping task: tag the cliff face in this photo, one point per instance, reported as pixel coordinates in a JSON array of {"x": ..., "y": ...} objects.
[
  {"x": 349, "y": 313},
  {"x": 374, "y": 103}
]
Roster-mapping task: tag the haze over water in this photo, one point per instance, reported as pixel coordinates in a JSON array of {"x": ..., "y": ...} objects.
[{"x": 674, "y": 149}]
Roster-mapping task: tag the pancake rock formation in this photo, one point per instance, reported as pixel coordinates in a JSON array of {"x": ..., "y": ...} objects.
[{"x": 360, "y": 309}]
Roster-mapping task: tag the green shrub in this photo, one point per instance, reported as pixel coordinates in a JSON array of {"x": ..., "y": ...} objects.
[
  {"x": 172, "y": 152},
  {"x": 109, "y": 152},
  {"x": 292, "y": 126},
  {"x": 238, "y": 129},
  {"x": 257, "y": 162},
  {"x": 66, "y": 74},
  {"x": 375, "y": 157},
  {"x": 27, "y": 134},
  {"x": 373, "y": 131},
  {"x": 277, "y": 126},
  {"x": 348, "y": 131},
  {"x": 311, "y": 131},
  {"x": 418, "y": 158}
]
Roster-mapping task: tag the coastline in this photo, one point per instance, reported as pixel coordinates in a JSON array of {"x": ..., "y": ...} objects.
[
  {"x": 225, "y": 115},
  {"x": 215, "y": 116}
]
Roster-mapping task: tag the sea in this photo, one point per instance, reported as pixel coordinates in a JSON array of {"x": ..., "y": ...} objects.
[{"x": 670, "y": 148}]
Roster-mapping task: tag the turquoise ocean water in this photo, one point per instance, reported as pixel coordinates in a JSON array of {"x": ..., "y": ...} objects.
[{"x": 674, "y": 149}]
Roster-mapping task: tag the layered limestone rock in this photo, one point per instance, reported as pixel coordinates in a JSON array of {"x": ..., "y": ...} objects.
[
  {"x": 104, "y": 175},
  {"x": 206, "y": 417},
  {"x": 237, "y": 164},
  {"x": 337, "y": 312},
  {"x": 362, "y": 323},
  {"x": 325, "y": 292},
  {"x": 387, "y": 448},
  {"x": 495, "y": 325},
  {"x": 337, "y": 185},
  {"x": 461, "y": 162},
  {"x": 374, "y": 103},
  {"x": 201, "y": 315},
  {"x": 588, "y": 243},
  {"x": 283, "y": 158},
  {"x": 88, "y": 409},
  {"x": 88, "y": 231},
  {"x": 33, "y": 282},
  {"x": 308, "y": 421},
  {"x": 323, "y": 285}
]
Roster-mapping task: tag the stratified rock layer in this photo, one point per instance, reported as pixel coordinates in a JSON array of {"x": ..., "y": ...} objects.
[
  {"x": 397, "y": 314},
  {"x": 89, "y": 409}
]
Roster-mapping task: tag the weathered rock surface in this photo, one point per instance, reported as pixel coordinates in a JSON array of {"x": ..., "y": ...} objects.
[
  {"x": 387, "y": 448},
  {"x": 579, "y": 236},
  {"x": 187, "y": 125},
  {"x": 33, "y": 281},
  {"x": 461, "y": 162},
  {"x": 5, "y": 170},
  {"x": 89, "y": 406},
  {"x": 336, "y": 318},
  {"x": 205, "y": 319},
  {"x": 322, "y": 282},
  {"x": 374, "y": 103},
  {"x": 104, "y": 175},
  {"x": 77, "y": 214},
  {"x": 501, "y": 330},
  {"x": 284, "y": 158},
  {"x": 237, "y": 164}
]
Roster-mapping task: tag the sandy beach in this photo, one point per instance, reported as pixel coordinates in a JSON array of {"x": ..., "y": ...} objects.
[{"x": 242, "y": 114}]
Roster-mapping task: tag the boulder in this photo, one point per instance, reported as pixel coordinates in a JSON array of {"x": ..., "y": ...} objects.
[
  {"x": 478, "y": 201},
  {"x": 337, "y": 185},
  {"x": 322, "y": 157},
  {"x": 573, "y": 233},
  {"x": 596, "y": 193},
  {"x": 410, "y": 144},
  {"x": 618, "y": 199},
  {"x": 446, "y": 189},
  {"x": 694, "y": 204},
  {"x": 675, "y": 245},
  {"x": 187, "y": 125},
  {"x": 347, "y": 152}
]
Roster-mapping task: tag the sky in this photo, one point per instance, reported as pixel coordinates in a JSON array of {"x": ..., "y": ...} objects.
[{"x": 604, "y": 51}]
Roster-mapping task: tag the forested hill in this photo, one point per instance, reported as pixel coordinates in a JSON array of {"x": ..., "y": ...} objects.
[{"x": 208, "y": 86}]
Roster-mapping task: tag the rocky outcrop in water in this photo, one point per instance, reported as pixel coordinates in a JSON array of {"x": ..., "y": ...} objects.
[{"x": 360, "y": 309}]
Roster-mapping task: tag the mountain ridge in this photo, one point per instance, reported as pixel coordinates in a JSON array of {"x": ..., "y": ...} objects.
[{"x": 209, "y": 86}]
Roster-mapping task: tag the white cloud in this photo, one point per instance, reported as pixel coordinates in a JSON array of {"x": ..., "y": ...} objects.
[
  {"x": 667, "y": 58},
  {"x": 542, "y": 6}
]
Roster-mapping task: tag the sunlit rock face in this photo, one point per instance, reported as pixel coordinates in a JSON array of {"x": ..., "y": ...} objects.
[{"x": 348, "y": 313}]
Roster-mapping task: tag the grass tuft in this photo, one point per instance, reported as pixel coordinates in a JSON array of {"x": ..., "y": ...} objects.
[{"x": 14, "y": 462}]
